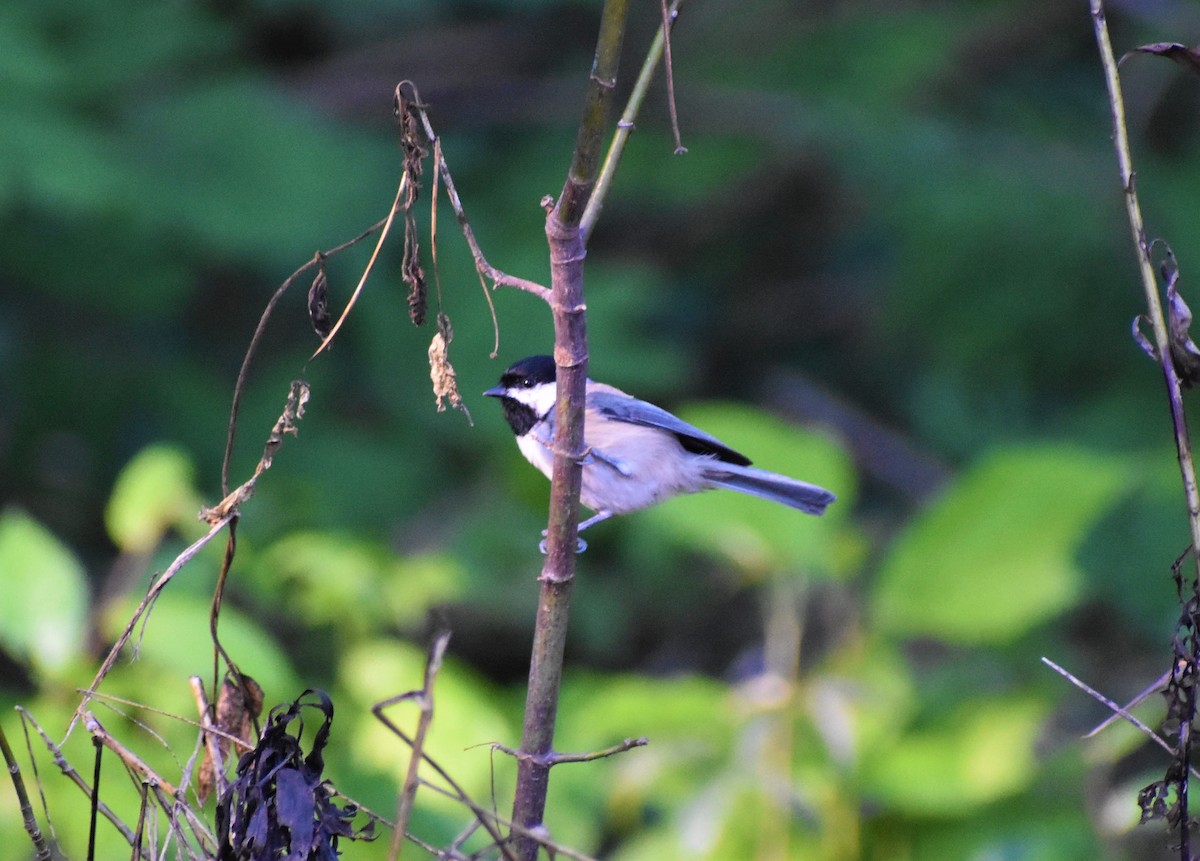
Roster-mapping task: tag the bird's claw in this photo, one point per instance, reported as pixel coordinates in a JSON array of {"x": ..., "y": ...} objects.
[{"x": 580, "y": 544}]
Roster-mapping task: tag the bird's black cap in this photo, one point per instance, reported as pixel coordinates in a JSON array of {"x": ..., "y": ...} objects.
[{"x": 530, "y": 372}]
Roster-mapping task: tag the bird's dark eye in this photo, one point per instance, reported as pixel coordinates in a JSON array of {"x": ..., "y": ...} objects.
[{"x": 526, "y": 383}]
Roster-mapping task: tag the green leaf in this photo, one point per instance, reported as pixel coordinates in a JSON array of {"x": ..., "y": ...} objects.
[
  {"x": 994, "y": 556},
  {"x": 754, "y": 534},
  {"x": 334, "y": 578},
  {"x": 44, "y": 609},
  {"x": 982, "y": 752},
  {"x": 173, "y": 641},
  {"x": 153, "y": 493}
]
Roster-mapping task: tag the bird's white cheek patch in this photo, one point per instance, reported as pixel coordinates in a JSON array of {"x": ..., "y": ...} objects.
[{"x": 540, "y": 398}]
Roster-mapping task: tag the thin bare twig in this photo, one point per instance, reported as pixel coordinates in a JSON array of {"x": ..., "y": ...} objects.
[
  {"x": 111, "y": 658},
  {"x": 362, "y": 281},
  {"x": 668, "y": 21},
  {"x": 540, "y": 834},
  {"x": 1154, "y": 688},
  {"x": 551, "y": 759},
  {"x": 424, "y": 700},
  {"x": 1181, "y": 685},
  {"x": 94, "y": 818},
  {"x": 1114, "y": 707},
  {"x": 71, "y": 774},
  {"x": 167, "y": 795},
  {"x": 1146, "y": 269},
  {"x": 239, "y": 387},
  {"x": 23, "y": 802}
]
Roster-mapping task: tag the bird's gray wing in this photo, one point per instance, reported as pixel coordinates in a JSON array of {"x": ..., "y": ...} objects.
[{"x": 622, "y": 407}]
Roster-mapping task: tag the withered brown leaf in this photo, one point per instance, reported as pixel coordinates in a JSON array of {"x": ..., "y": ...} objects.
[
  {"x": 441, "y": 372},
  {"x": 238, "y": 706}
]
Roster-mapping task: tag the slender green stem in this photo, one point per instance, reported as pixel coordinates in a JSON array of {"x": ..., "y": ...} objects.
[
  {"x": 625, "y": 127},
  {"x": 592, "y": 127},
  {"x": 1183, "y": 688},
  {"x": 1154, "y": 307}
]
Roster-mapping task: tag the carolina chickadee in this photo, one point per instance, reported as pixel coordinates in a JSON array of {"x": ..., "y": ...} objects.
[{"x": 636, "y": 454}]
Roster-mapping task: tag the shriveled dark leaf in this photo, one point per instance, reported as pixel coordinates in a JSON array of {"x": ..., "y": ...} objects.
[
  {"x": 295, "y": 809},
  {"x": 1140, "y": 338},
  {"x": 1153, "y": 801},
  {"x": 414, "y": 152},
  {"x": 278, "y": 806},
  {"x": 413, "y": 273},
  {"x": 315, "y": 761},
  {"x": 1184, "y": 352},
  {"x": 257, "y": 838},
  {"x": 318, "y": 304},
  {"x": 410, "y": 145},
  {"x": 1187, "y": 57}
]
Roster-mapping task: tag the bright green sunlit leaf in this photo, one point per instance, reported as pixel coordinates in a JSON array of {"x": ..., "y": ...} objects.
[
  {"x": 994, "y": 555},
  {"x": 43, "y": 611},
  {"x": 983, "y": 752},
  {"x": 153, "y": 493}
]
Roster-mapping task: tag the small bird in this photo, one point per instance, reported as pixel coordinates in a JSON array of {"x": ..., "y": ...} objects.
[{"x": 636, "y": 454}]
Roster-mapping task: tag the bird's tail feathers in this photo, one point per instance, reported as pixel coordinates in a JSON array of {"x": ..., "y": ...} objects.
[{"x": 807, "y": 497}]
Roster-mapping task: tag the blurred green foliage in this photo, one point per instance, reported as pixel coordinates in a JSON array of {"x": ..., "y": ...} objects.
[{"x": 911, "y": 209}]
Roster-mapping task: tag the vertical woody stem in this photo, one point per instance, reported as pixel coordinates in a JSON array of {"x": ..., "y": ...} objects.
[{"x": 567, "y": 252}]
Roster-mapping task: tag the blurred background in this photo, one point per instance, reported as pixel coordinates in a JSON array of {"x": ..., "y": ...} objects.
[{"x": 894, "y": 261}]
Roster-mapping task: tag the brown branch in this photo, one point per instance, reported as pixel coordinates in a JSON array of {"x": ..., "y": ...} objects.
[
  {"x": 166, "y": 794},
  {"x": 424, "y": 700},
  {"x": 362, "y": 280},
  {"x": 567, "y": 252}
]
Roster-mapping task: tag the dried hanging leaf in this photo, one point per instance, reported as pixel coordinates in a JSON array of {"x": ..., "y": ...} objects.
[
  {"x": 414, "y": 165},
  {"x": 318, "y": 303},
  {"x": 413, "y": 274},
  {"x": 441, "y": 372},
  {"x": 238, "y": 707},
  {"x": 1184, "y": 352},
  {"x": 1187, "y": 57},
  {"x": 410, "y": 144}
]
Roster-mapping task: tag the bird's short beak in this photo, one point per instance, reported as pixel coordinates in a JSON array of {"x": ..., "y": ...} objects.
[{"x": 496, "y": 392}]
